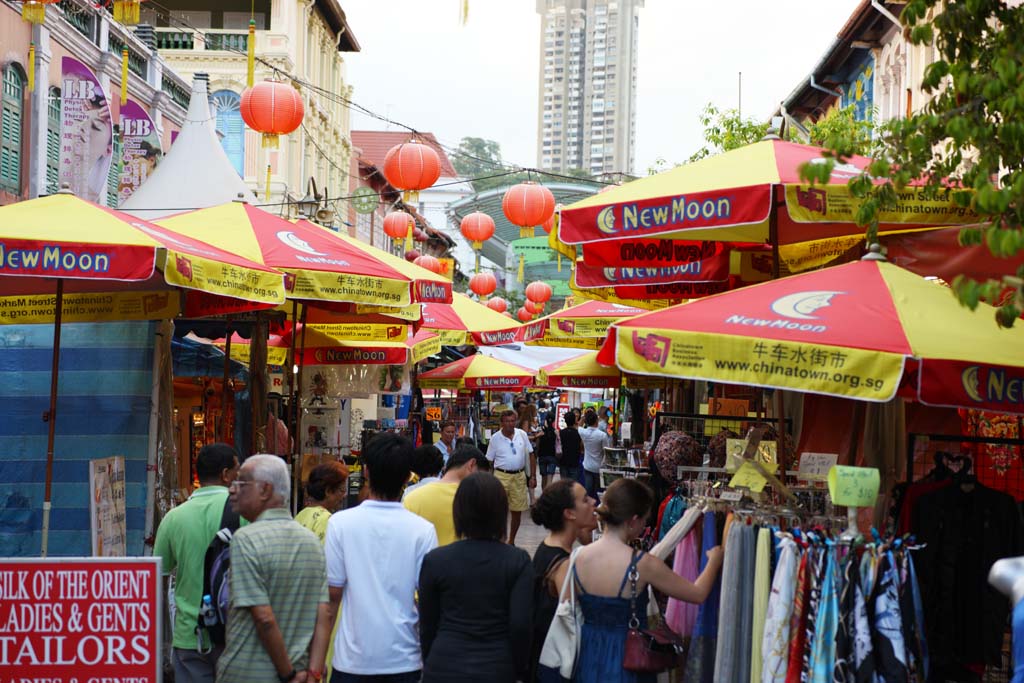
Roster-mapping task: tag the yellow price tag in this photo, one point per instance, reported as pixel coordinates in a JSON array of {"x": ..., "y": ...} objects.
[
  {"x": 853, "y": 486},
  {"x": 748, "y": 477}
]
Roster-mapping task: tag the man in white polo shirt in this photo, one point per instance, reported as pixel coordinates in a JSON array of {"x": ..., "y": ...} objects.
[
  {"x": 508, "y": 450},
  {"x": 374, "y": 553}
]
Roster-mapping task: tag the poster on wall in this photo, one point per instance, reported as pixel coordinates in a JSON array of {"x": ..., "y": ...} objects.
[
  {"x": 87, "y": 133},
  {"x": 80, "y": 619},
  {"x": 106, "y": 507},
  {"x": 140, "y": 149}
]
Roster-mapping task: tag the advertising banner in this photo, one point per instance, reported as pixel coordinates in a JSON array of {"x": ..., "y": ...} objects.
[
  {"x": 140, "y": 149},
  {"x": 80, "y": 619},
  {"x": 640, "y": 253},
  {"x": 87, "y": 134},
  {"x": 106, "y": 507},
  {"x": 712, "y": 269},
  {"x": 89, "y": 307}
]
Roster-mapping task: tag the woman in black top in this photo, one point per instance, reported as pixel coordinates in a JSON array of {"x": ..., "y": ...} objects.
[
  {"x": 572, "y": 449},
  {"x": 476, "y": 600},
  {"x": 567, "y": 512},
  {"x": 548, "y": 459}
]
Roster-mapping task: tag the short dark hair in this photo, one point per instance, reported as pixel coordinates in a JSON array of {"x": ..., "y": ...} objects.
[
  {"x": 623, "y": 499},
  {"x": 324, "y": 477},
  {"x": 213, "y": 459},
  {"x": 480, "y": 508},
  {"x": 570, "y": 419},
  {"x": 388, "y": 461},
  {"x": 446, "y": 424},
  {"x": 558, "y": 497},
  {"x": 590, "y": 418},
  {"x": 508, "y": 412},
  {"x": 463, "y": 454},
  {"x": 427, "y": 461}
]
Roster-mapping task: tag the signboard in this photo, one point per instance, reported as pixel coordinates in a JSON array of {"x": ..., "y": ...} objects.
[
  {"x": 434, "y": 413},
  {"x": 853, "y": 486},
  {"x": 140, "y": 149},
  {"x": 748, "y": 476},
  {"x": 87, "y": 135},
  {"x": 735, "y": 448},
  {"x": 106, "y": 507},
  {"x": 815, "y": 466},
  {"x": 80, "y": 619},
  {"x": 365, "y": 200}
]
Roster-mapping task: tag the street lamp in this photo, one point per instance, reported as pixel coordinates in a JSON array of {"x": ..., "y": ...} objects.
[{"x": 309, "y": 204}]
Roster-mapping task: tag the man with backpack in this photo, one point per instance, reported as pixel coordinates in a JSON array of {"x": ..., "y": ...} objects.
[{"x": 182, "y": 539}]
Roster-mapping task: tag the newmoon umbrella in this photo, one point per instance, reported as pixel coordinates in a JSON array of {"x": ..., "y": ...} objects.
[
  {"x": 465, "y": 321},
  {"x": 477, "y": 372},
  {"x": 752, "y": 195},
  {"x": 582, "y": 372},
  {"x": 582, "y": 326},
  {"x": 862, "y": 330},
  {"x": 64, "y": 238},
  {"x": 323, "y": 265}
]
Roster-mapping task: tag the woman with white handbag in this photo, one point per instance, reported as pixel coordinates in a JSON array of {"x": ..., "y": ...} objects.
[{"x": 567, "y": 512}]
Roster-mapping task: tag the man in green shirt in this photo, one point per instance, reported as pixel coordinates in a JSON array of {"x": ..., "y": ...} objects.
[
  {"x": 278, "y": 583},
  {"x": 181, "y": 541}
]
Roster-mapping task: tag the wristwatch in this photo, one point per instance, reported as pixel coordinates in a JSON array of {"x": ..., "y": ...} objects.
[{"x": 288, "y": 676}]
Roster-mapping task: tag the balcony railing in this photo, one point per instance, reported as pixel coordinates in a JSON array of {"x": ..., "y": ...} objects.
[{"x": 205, "y": 39}]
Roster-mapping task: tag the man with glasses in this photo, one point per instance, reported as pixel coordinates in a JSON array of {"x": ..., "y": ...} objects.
[
  {"x": 278, "y": 582},
  {"x": 508, "y": 450}
]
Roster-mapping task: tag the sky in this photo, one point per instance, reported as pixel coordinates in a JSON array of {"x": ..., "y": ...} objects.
[{"x": 420, "y": 67}]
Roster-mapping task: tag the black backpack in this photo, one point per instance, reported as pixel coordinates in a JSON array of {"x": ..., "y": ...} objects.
[{"x": 216, "y": 580}]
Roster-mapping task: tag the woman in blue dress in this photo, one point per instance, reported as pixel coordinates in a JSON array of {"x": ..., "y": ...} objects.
[{"x": 601, "y": 578}]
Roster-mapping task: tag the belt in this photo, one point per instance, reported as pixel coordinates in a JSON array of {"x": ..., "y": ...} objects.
[{"x": 509, "y": 471}]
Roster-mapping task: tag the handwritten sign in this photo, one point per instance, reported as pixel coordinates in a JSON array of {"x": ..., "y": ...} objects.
[
  {"x": 815, "y": 466},
  {"x": 748, "y": 477},
  {"x": 733, "y": 407},
  {"x": 732, "y": 496},
  {"x": 84, "y": 619},
  {"x": 434, "y": 413},
  {"x": 735, "y": 448},
  {"x": 853, "y": 486}
]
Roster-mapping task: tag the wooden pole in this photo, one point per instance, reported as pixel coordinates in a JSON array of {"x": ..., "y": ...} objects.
[
  {"x": 222, "y": 426},
  {"x": 51, "y": 417}
]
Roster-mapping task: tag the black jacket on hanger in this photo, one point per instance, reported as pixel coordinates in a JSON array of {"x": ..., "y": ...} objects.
[{"x": 966, "y": 527}]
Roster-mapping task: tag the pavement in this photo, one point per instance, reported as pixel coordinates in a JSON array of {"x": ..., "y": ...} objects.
[{"x": 530, "y": 535}]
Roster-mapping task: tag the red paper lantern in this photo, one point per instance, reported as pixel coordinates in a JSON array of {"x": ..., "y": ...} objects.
[
  {"x": 497, "y": 304},
  {"x": 419, "y": 235},
  {"x": 549, "y": 224},
  {"x": 412, "y": 255},
  {"x": 534, "y": 307},
  {"x": 429, "y": 262},
  {"x": 398, "y": 225},
  {"x": 412, "y": 166},
  {"x": 272, "y": 108},
  {"x": 477, "y": 227},
  {"x": 483, "y": 284},
  {"x": 528, "y": 205},
  {"x": 524, "y": 315},
  {"x": 539, "y": 291}
]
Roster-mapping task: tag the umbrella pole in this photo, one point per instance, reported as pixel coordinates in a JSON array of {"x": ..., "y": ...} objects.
[
  {"x": 292, "y": 366},
  {"x": 297, "y": 460},
  {"x": 222, "y": 427},
  {"x": 51, "y": 417}
]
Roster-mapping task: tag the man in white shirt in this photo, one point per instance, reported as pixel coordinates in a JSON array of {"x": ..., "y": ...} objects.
[
  {"x": 446, "y": 444},
  {"x": 508, "y": 450},
  {"x": 374, "y": 554},
  {"x": 594, "y": 442}
]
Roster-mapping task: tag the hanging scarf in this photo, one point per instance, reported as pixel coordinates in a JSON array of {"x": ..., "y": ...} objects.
[
  {"x": 823, "y": 650},
  {"x": 887, "y": 634},
  {"x": 775, "y": 643},
  {"x": 912, "y": 613},
  {"x": 762, "y": 591},
  {"x": 798, "y": 623},
  {"x": 815, "y": 570},
  {"x": 700, "y": 662}
]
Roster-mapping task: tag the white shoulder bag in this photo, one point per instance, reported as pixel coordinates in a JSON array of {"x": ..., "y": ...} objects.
[{"x": 562, "y": 644}]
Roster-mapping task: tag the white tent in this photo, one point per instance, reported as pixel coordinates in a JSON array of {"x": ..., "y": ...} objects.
[{"x": 195, "y": 173}]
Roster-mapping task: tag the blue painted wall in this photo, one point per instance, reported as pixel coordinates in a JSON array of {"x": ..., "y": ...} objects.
[{"x": 102, "y": 410}]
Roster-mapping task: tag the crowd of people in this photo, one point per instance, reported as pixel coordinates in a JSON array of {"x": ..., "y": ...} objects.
[{"x": 418, "y": 582}]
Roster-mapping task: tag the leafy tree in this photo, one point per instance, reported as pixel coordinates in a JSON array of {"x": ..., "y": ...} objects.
[
  {"x": 969, "y": 136},
  {"x": 725, "y": 130},
  {"x": 479, "y": 161},
  {"x": 840, "y": 128}
]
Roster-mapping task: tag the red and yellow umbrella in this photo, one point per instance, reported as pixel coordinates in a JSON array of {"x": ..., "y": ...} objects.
[
  {"x": 477, "y": 372},
  {"x": 583, "y": 326},
  {"x": 114, "y": 266},
  {"x": 582, "y": 372},
  {"x": 323, "y": 349},
  {"x": 465, "y": 321},
  {"x": 862, "y": 330},
  {"x": 730, "y": 197},
  {"x": 322, "y": 265}
]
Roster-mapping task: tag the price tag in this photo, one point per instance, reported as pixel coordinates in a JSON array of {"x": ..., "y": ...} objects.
[
  {"x": 434, "y": 413},
  {"x": 733, "y": 496},
  {"x": 815, "y": 466},
  {"x": 735, "y": 448},
  {"x": 853, "y": 486},
  {"x": 748, "y": 477}
]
